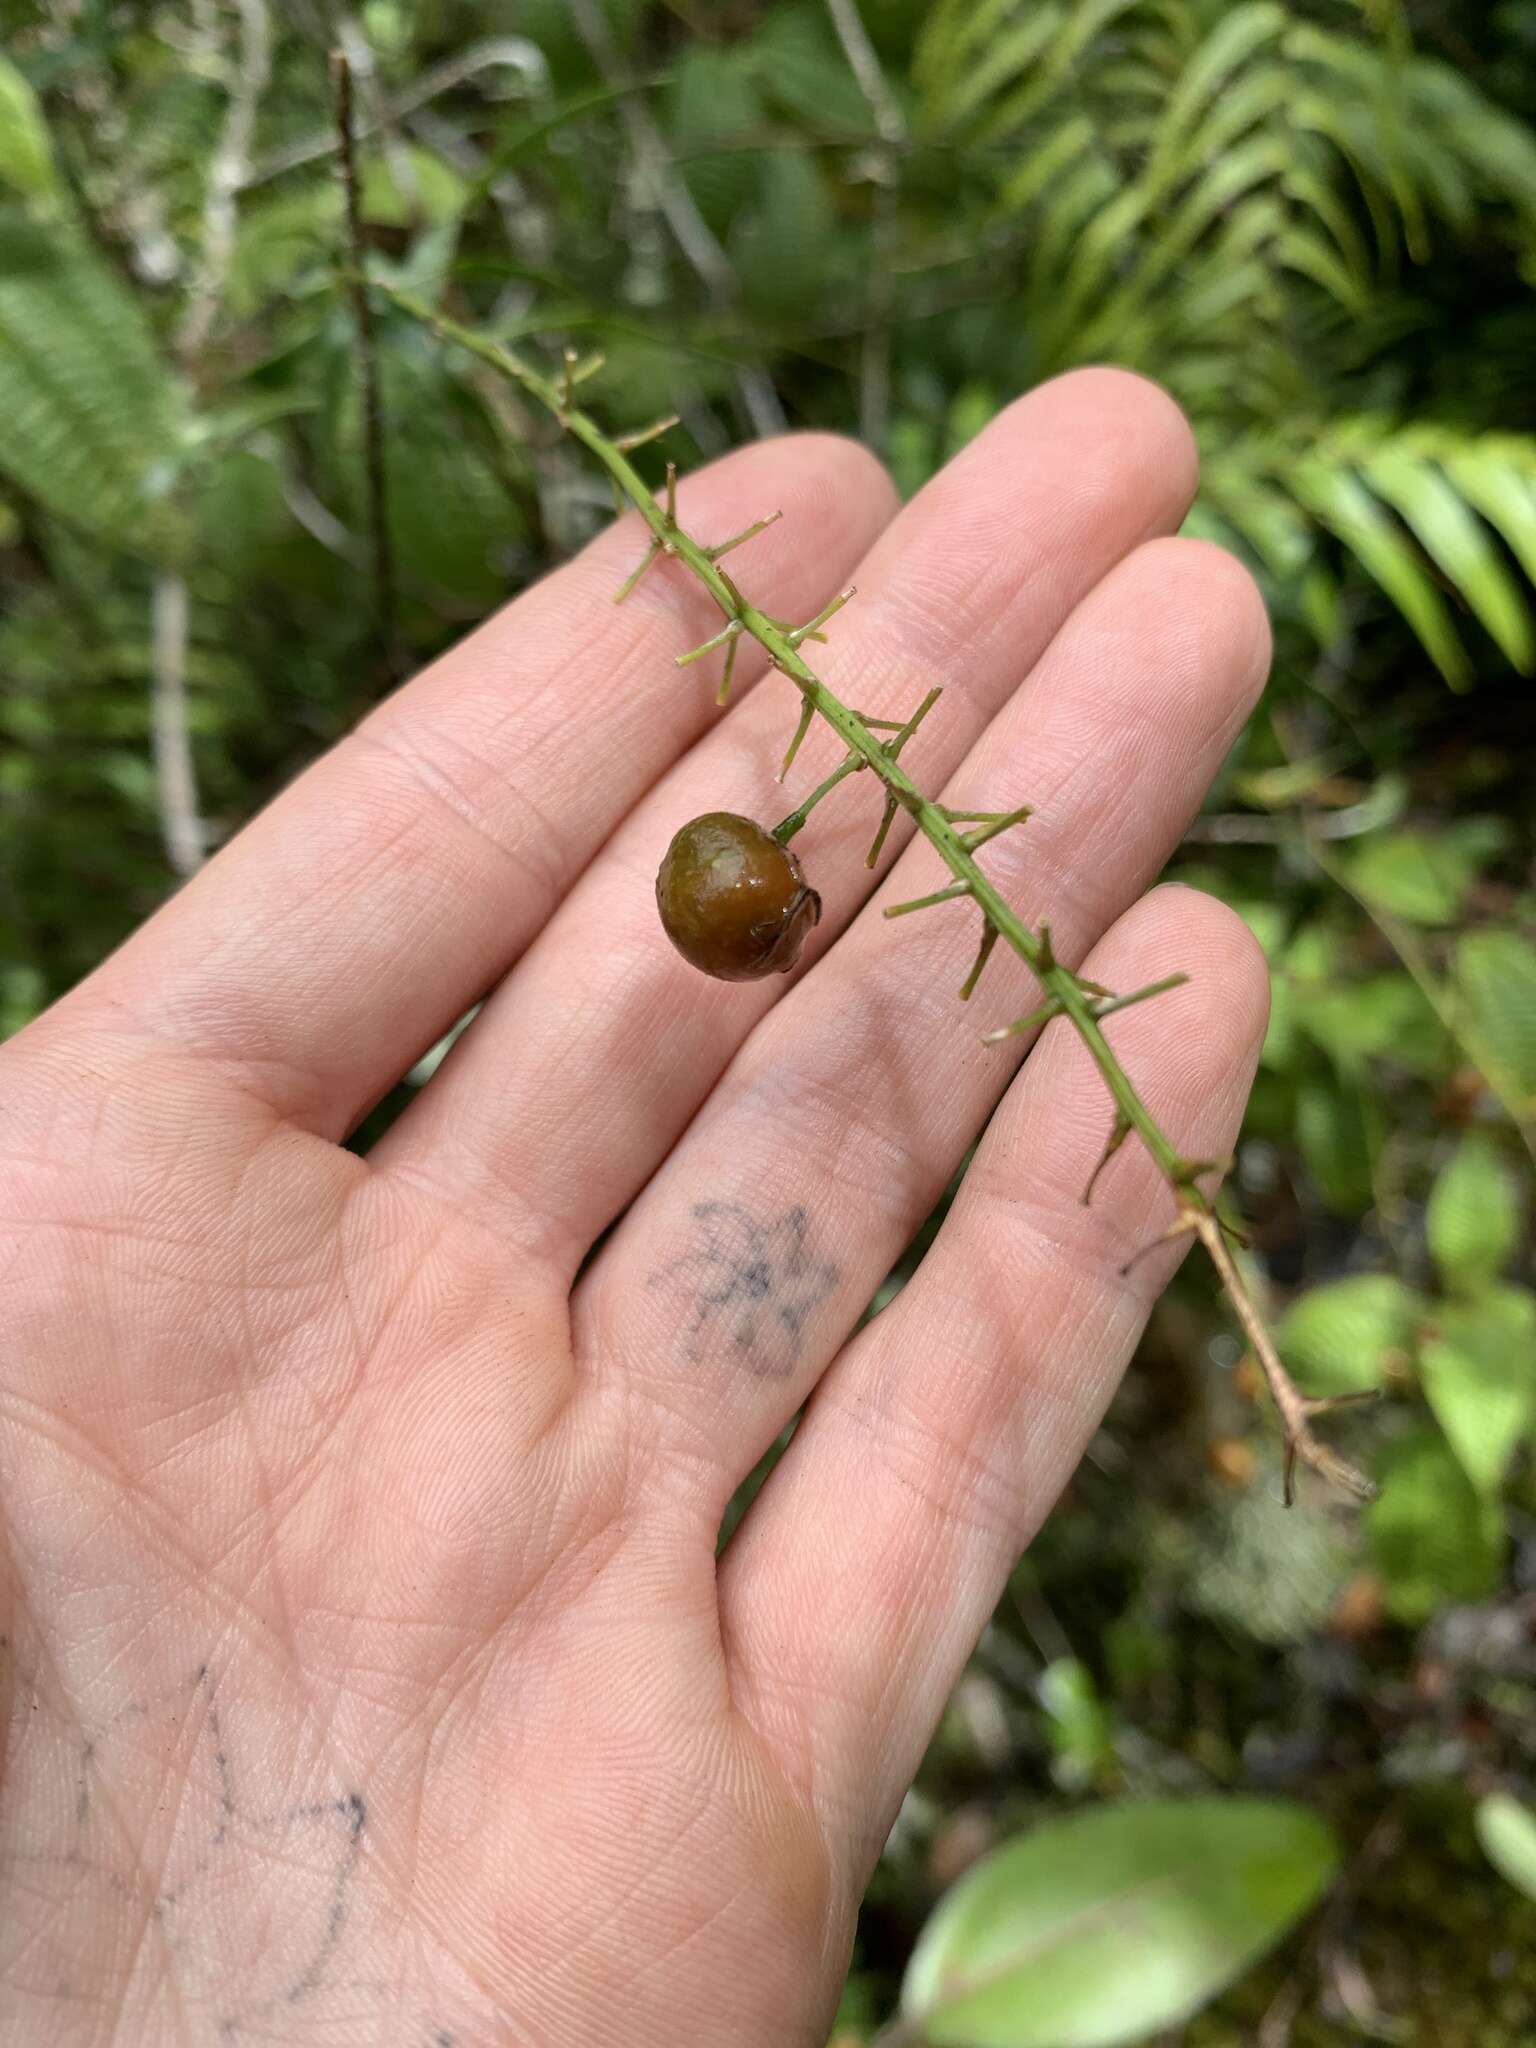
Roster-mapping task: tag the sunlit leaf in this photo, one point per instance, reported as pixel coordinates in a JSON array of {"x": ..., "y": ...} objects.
[
  {"x": 1473, "y": 1219},
  {"x": 26, "y": 153},
  {"x": 1496, "y": 975},
  {"x": 1104, "y": 1927},
  {"x": 1459, "y": 543},
  {"x": 1506, "y": 1831},
  {"x": 1344, "y": 505},
  {"x": 1478, "y": 1367},
  {"x": 1339, "y": 1338},
  {"x": 1414, "y": 875}
]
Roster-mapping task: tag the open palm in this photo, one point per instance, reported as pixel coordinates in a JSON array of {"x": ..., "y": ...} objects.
[{"x": 370, "y": 1673}]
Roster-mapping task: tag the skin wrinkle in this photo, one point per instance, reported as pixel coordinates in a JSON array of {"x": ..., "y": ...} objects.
[{"x": 526, "y": 853}]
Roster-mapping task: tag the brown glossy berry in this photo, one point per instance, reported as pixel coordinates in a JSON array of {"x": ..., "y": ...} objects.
[{"x": 734, "y": 901}]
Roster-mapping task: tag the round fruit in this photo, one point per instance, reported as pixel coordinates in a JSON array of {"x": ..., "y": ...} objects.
[{"x": 734, "y": 901}]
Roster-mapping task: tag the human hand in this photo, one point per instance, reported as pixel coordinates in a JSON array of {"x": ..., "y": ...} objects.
[{"x": 370, "y": 1673}]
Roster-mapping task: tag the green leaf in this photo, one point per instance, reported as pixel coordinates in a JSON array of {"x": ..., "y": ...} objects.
[
  {"x": 411, "y": 185},
  {"x": 1506, "y": 1831},
  {"x": 1479, "y": 1375},
  {"x": 92, "y": 423},
  {"x": 1337, "y": 1337},
  {"x": 1385, "y": 1016},
  {"x": 1079, "y": 1726},
  {"x": 1495, "y": 475},
  {"x": 1414, "y": 875},
  {"x": 1113, "y": 1923},
  {"x": 1495, "y": 974},
  {"x": 1434, "y": 1538},
  {"x": 1344, "y": 505},
  {"x": 26, "y": 152},
  {"x": 1473, "y": 1219},
  {"x": 783, "y": 249},
  {"x": 1335, "y": 1141},
  {"x": 1452, "y": 537}
]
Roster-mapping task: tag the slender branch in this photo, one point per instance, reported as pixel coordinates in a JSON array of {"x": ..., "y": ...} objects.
[
  {"x": 368, "y": 366},
  {"x": 175, "y": 775},
  {"x": 1296, "y": 1409},
  {"x": 891, "y": 127},
  {"x": 1067, "y": 995},
  {"x": 226, "y": 175}
]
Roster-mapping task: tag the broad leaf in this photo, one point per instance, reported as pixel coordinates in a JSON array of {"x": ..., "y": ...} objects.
[
  {"x": 1473, "y": 1219},
  {"x": 1479, "y": 1375},
  {"x": 1337, "y": 1337},
  {"x": 1116, "y": 1922},
  {"x": 1415, "y": 875},
  {"x": 26, "y": 153},
  {"x": 1433, "y": 1536},
  {"x": 1496, "y": 976},
  {"x": 1335, "y": 1141},
  {"x": 1506, "y": 1831}
]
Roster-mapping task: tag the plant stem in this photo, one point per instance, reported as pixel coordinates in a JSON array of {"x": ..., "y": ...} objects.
[
  {"x": 1196, "y": 1214},
  {"x": 368, "y": 370}
]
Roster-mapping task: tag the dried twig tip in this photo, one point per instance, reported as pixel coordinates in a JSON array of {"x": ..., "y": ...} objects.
[
  {"x": 723, "y": 547},
  {"x": 627, "y": 442},
  {"x": 727, "y": 633},
  {"x": 637, "y": 572},
  {"x": 1050, "y": 1008},
  {"x": 1119, "y": 1132}
]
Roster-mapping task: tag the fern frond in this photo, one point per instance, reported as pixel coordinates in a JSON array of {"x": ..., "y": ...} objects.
[
  {"x": 1423, "y": 510},
  {"x": 92, "y": 421}
]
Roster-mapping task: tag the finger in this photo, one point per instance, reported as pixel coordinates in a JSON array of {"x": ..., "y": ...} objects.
[
  {"x": 865, "y": 1571},
  {"x": 581, "y": 1073},
  {"x": 736, "y": 1274},
  {"x": 365, "y": 910}
]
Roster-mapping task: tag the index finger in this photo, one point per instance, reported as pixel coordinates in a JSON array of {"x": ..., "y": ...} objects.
[{"x": 350, "y": 924}]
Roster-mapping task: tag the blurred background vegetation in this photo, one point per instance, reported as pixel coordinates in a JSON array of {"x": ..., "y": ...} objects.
[{"x": 1316, "y": 223}]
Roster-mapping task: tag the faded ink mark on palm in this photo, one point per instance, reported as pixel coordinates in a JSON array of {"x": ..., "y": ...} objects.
[
  {"x": 324, "y": 1835},
  {"x": 754, "y": 1286}
]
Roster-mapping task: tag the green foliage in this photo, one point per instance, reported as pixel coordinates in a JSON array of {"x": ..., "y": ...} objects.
[
  {"x": 1507, "y": 1832},
  {"x": 26, "y": 152},
  {"x": 92, "y": 423},
  {"x": 1434, "y": 1538},
  {"x": 1479, "y": 1372},
  {"x": 1104, "y": 1927},
  {"x": 1339, "y": 1338},
  {"x": 1246, "y": 219},
  {"x": 1495, "y": 973},
  {"x": 1473, "y": 1219}
]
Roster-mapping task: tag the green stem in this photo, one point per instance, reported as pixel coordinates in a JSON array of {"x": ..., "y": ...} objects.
[{"x": 786, "y": 828}]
